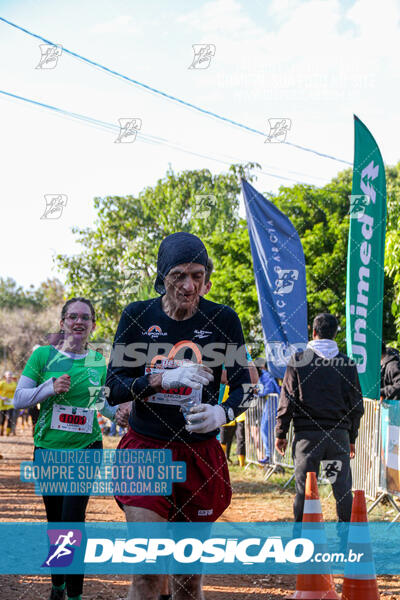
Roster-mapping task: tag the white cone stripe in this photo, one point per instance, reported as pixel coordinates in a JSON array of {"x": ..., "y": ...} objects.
[{"x": 312, "y": 506}]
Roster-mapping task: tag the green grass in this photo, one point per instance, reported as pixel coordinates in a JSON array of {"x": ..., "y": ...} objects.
[{"x": 250, "y": 486}]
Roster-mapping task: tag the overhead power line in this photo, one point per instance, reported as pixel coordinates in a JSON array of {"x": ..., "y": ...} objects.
[
  {"x": 170, "y": 97},
  {"x": 147, "y": 138}
]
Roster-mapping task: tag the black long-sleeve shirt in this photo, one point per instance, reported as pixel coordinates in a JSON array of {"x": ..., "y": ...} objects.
[
  {"x": 213, "y": 336},
  {"x": 390, "y": 375},
  {"x": 320, "y": 394}
]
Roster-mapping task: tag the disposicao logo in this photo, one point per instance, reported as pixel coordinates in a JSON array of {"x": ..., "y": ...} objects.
[
  {"x": 62, "y": 547},
  {"x": 192, "y": 550}
]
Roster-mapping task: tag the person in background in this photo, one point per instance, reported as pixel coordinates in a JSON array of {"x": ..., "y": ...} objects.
[
  {"x": 237, "y": 426},
  {"x": 321, "y": 393},
  {"x": 227, "y": 432},
  {"x": 33, "y": 413},
  {"x": 268, "y": 386},
  {"x": 7, "y": 391},
  {"x": 3, "y": 416},
  {"x": 390, "y": 373}
]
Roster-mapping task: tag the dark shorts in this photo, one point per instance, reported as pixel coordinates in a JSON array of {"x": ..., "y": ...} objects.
[
  {"x": 204, "y": 495},
  {"x": 227, "y": 433}
]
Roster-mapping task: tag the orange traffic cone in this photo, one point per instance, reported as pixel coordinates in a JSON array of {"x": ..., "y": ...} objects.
[
  {"x": 359, "y": 581},
  {"x": 318, "y": 586}
]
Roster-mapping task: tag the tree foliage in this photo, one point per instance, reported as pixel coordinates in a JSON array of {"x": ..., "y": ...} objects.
[
  {"x": 21, "y": 329},
  {"x": 392, "y": 250},
  {"x": 26, "y": 316},
  {"x": 49, "y": 293},
  {"x": 118, "y": 258}
]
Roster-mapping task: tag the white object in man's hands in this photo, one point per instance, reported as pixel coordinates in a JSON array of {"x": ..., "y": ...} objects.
[
  {"x": 189, "y": 375},
  {"x": 205, "y": 418}
]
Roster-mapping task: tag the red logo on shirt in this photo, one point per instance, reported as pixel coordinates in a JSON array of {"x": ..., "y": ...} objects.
[{"x": 154, "y": 331}]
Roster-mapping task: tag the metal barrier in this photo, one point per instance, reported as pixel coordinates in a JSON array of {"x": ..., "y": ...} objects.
[
  {"x": 283, "y": 462},
  {"x": 260, "y": 429},
  {"x": 365, "y": 467},
  {"x": 260, "y": 438}
]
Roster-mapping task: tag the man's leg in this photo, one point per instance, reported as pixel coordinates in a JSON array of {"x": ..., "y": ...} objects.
[
  {"x": 9, "y": 412},
  {"x": 165, "y": 594},
  {"x": 308, "y": 449},
  {"x": 241, "y": 443},
  {"x": 339, "y": 455},
  {"x": 226, "y": 436},
  {"x": 204, "y": 496},
  {"x": 187, "y": 587},
  {"x": 144, "y": 587},
  {"x": 13, "y": 420}
]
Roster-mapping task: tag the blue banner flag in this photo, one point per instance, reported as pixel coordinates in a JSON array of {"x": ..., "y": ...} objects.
[{"x": 280, "y": 275}]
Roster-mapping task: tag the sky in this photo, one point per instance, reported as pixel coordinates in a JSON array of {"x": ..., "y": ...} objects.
[{"x": 313, "y": 62}]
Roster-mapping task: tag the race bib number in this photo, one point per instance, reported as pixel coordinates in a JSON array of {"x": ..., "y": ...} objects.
[
  {"x": 173, "y": 396},
  {"x": 72, "y": 418}
]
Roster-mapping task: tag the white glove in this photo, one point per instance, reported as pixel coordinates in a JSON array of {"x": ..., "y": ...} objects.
[
  {"x": 204, "y": 418},
  {"x": 190, "y": 375}
]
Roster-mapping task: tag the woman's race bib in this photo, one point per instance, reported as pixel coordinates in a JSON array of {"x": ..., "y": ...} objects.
[{"x": 72, "y": 418}]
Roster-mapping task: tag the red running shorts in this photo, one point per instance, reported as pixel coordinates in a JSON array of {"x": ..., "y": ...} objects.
[{"x": 204, "y": 495}]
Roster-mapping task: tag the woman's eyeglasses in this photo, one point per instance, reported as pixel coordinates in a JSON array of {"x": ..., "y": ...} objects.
[{"x": 75, "y": 317}]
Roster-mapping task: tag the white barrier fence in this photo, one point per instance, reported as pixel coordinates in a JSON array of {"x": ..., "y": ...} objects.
[
  {"x": 260, "y": 438},
  {"x": 365, "y": 467},
  {"x": 260, "y": 429}
]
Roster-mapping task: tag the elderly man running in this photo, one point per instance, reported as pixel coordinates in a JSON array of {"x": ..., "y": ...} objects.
[{"x": 187, "y": 326}]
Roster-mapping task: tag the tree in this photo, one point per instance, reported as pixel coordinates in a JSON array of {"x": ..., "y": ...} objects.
[
  {"x": 11, "y": 294},
  {"x": 23, "y": 328},
  {"x": 49, "y": 293},
  {"x": 119, "y": 257},
  {"x": 392, "y": 250},
  {"x": 25, "y": 317},
  {"x": 321, "y": 217},
  {"x": 233, "y": 281}
]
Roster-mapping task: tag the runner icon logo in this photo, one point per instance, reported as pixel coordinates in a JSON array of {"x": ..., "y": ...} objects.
[
  {"x": 278, "y": 129},
  {"x": 203, "y": 53},
  {"x": 62, "y": 547},
  {"x": 128, "y": 129},
  {"x": 55, "y": 203},
  {"x": 50, "y": 53},
  {"x": 285, "y": 282},
  {"x": 331, "y": 469}
]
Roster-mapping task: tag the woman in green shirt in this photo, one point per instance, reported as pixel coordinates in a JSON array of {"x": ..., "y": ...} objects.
[{"x": 66, "y": 379}]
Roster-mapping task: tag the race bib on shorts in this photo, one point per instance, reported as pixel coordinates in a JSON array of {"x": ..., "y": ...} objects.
[
  {"x": 176, "y": 395},
  {"x": 72, "y": 418},
  {"x": 7, "y": 403}
]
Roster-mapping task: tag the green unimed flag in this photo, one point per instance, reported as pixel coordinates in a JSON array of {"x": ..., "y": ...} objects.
[{"x": 365, "y": 260}]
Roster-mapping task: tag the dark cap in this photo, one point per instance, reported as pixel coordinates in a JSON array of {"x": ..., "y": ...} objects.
[{"x": 176, "y": 249}]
